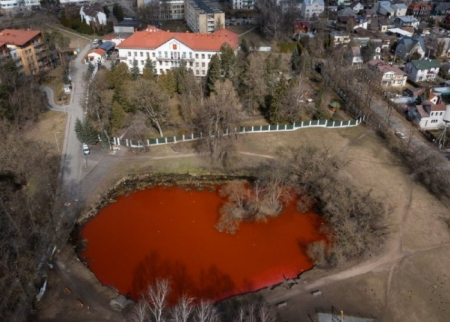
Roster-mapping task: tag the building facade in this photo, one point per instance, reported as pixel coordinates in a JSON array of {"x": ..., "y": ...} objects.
[
  {"x": 242, "y": 4},
  {"x": 311, "y": 8},
  {"x": 423, "y": 70},
  {"x": 203, "y": 15},
  {"x": 168, "y": 50},
  {"x": 26, "y": 49},
  {"x": 169, "y": 9},
  {"x": 93, "y": 15},
  {"x": 428, "y": 115},
  {"x": 19, "y": 4},
  {"x": 390, "y": 76}
]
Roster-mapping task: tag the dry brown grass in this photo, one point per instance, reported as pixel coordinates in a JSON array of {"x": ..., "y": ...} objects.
[
  {"x": 54, "y": 80},
  {"x": 50, "y": 128}
]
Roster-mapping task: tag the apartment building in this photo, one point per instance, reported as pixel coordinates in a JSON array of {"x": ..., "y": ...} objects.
[
  {"x": 242, "y": 4},
  {"x": 203, "y": 15},
  {"x": 26, "y": 48},
  {"x": 168, "y": 50},
  {"x": 19, "y": 4},
  {"x": 169, "y": 9}
]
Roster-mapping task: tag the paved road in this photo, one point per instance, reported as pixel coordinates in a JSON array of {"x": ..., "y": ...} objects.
[{"x": 72, "y": 159}]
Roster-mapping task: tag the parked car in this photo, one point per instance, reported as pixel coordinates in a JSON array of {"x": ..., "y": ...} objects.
[
  {"x": 86, "y": 149},
  {"x": 401, "y": 135}
]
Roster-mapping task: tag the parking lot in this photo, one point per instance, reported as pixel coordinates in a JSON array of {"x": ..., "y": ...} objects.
[{"x": 239, "y": 21}]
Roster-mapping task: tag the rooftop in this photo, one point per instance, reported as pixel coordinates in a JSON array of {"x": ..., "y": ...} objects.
[
  {"x": 18, "y": 37},
  {"x": 425, "y": 63},
  {"x": 152, "y": 38},
  {"x": 206, "y": 6},
  {"x": 384, "y": 67}
]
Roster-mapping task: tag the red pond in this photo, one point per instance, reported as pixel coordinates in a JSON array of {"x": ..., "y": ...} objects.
[{"x": 169, "y": 232}]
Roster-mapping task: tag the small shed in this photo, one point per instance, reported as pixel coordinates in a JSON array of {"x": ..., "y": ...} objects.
[
  {"x": 96, "y": 55},
  {"x": 334, "y": 106}
]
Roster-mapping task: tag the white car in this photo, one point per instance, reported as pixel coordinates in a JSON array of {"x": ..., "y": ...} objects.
[
  {"x": 401, "y": 135},
  {"x": 86, "y": 149}
]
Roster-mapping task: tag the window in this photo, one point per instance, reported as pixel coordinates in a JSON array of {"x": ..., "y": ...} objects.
[
  {"x": 196, "y": 56},
  {"x": 161, "y": 71},
  {"x": 203, "y": 56},
  {"x": 130, "y": 62},
  {"x": 190, "y": 55},
  {"x": 159, "y": 54},
  {"x": 142, "y": 62},
  {"x": 135, "y": 54},
  {"x": 197, "y": 72},
  {"x": 142, "y": 54},
  {"x": 167, "y": 63},
  {"x": 191, "y": 64},
  {"x": 203, "y": 72},
  {"x": 209, "y": 56},
  {"x": 148, "y": 55},
  {"x": 196, "y": 64},
  {"x": 440, "y": 113},
  {"x": 154, "y": 55},
  {"x": 160, "y": 63},
  {"x": 166, "y": 55},
  {"x": 129, "y": 54},
  {"x": 184, "y": 55}
]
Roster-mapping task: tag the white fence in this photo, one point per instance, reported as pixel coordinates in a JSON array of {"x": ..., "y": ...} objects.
[{"x": 242, "y": 130}]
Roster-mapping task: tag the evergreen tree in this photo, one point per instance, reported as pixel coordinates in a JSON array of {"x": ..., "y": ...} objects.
[
  {"x": 120, "y": 74},
  {"x": 275, "y": 100},
  {"x": 118, "y": 12},
  {"x": 245, "y": 49},
  {"x": 227, "y": 61},
  {"x": 168, "y": 82},
  {"x": 295, "y": 60},
  {"x": 213, "y": 74},
  {"x": 180, "y": 77},
  {"x": 117, "y": 116},
  {"x": 135, "y": 70},
  {"x": 90, "y": 135},
  {"x": 91, "y": 68},
  {"x": 149, "y": 71},
  {"x": 79, "y": 130}
]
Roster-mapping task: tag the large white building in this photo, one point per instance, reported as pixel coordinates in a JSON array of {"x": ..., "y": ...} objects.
[
  {"x": 168, "y": 49},
  {"x": 242, "y": 4},
  {"x": 311, "y": 8},
  {"x": 19, "y": 4}
]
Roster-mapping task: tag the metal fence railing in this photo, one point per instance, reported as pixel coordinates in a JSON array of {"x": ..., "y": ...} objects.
[{"x": 241, "y": 130}]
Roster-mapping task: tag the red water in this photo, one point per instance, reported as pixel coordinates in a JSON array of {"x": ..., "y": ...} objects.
[{"x": 169, "y": 232}]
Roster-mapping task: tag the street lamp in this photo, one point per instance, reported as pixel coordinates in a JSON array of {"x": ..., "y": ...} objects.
[{"x": 56, "y": 140}]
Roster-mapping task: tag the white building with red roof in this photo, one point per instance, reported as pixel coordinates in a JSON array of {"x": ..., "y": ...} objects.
[
  {"x": 168, "y": 49},
  {"x": 428, "y": 115},
  {"x": 390, "y": 76}
]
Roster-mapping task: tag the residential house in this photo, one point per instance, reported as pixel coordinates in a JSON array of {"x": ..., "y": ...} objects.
[
  {"x": 406, "y": 21},
  {"x": 428, "y": 116},
  {"x": 414, "y": 92},
  {"x": 407, "y": 46},
  {"x": 340, "y": 38},
  {"x": 203, "y": 15},
  {"x": 390, "y": 76},
  {"x": 422, "y": 70},
  {"x": 441, "y": 8},
  {"x": 26, "y": 49},
  {"x": 419, "y": 9},
  {"x": 169, "y": 50},
  {"x": 311, "y": 8},
  {"x": 302, "y": 27},
  {"x": 346, "y": 12},
  {"x": 356, "y": 7},
  {"x": 93, "y": 15},
  {"x": 355, "y": 56},
  {"x": 385, "y": 9},
  {"x": 379, "y": 24},
  {"x": 400, "y": 9},
  {"x": 423, "y": 28}
]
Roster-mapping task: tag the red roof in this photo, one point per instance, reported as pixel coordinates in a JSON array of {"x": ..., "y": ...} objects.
[
  {"x": 438, "y": 107},
  {"x": 98, "y": 51},
  {"x": 18, "y": 37},
  {"x": 153, "y": 37}
]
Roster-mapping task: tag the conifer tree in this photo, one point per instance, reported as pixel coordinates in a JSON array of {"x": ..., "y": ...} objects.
[
  {"x": 275, "y": 100},
  {"x": 135, "y": 70},
  {"x": 79, "y": 130},
  {"x": 227, "y": 61},
  {"x": 149, "y": 71},
  {"x": 213, "y": 74}
]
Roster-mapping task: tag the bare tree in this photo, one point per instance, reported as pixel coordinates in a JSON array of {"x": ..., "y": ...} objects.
[
  {"x": 140, "y": 312},
  {"x": 183, "y": 310},
  {"x": 266, "y": 314},
  {"x": 148, "y": 97},
  {"x": 206, "y": 312},
  {"x": 157, "y": 299},
  {"x": 217, "y": 120}
]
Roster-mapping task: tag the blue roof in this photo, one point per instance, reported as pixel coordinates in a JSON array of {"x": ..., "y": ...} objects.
[
  {"x": 107, "y": 45},
  {"x": 387, "y": 6},
  {"x": 408, "y": 19},
  {"x": 400, "y": 6}
]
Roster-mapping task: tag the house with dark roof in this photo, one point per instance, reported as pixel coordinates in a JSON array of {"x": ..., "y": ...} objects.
[
  {"x": 356, "y": 6},
  {"x": 406, "y": 21},
  {"x": 93, "y": 15},
  {"x": 390, "y": 76},
  {"x": 441, "y": 8},
  {"x": 169, "y": 50},
  {"x": 422, "y": 70},
  {"x": 407, "y": 46}
]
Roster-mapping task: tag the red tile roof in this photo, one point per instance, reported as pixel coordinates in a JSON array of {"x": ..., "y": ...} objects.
[
  {"x": 415, "y": 6},
  {"x": 153, "y": 37},
  {"x": 438, "y": 107},
  {"x": 18, "y": 37},
  {"x": 98, "y": 51},
  {"x": 385, "y": 67}
]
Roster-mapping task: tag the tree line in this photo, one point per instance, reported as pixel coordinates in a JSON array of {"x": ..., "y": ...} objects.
[{"x": 28, "y": 182}]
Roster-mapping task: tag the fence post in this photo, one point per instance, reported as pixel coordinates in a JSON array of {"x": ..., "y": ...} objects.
[
  {"x": 174, "y": 139},
  {"x": 157, "y": 141},
  {"x": 277, "y": 127},
  {"x": 165, "y": 140},
  {"x": 148, "y": 142},
  {"x": 183, "y": 137},
  {"x": 309, "y": 122},
  {"x": 201, "y": 135},
  {"x": 326, "y": 123},
  {"x": 341, "y": 123},
  {"x": 127, "y": 142}
]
